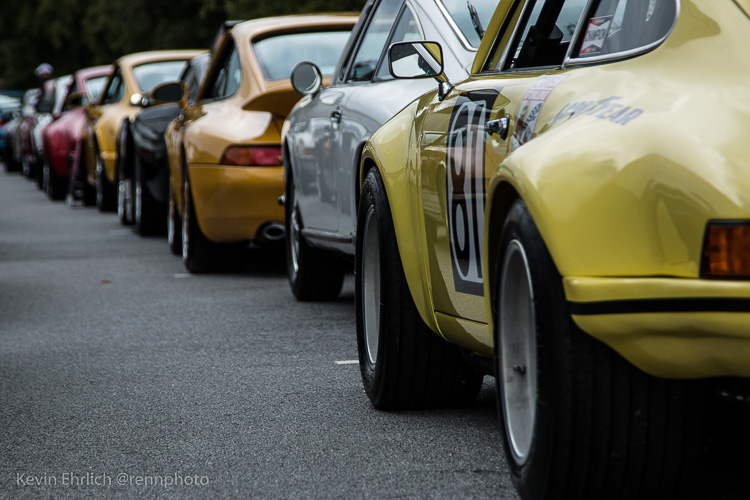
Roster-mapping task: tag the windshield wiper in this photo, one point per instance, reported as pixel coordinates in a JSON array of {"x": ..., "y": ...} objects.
[{"x": 475, "y": 20}]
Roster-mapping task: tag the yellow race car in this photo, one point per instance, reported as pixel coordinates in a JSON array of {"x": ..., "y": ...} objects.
[
  {"x": 124, "y": 95},
  {"x": 224, "y": 151},
  {"x": 574, "y": 219}
]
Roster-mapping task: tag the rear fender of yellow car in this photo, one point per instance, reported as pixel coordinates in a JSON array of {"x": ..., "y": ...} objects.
[{"x": 629, "y": 203}]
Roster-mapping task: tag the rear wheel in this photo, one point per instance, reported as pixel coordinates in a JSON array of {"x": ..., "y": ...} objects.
[
  {"x": 579, "y": 421},
  {"x": 149, "y": 213},
  {"x": 105, "y": 190},
  {"x": 404, "y": 364},
  {"x": 174, "y": 224},
  {"x": 54, "y": 185},
  {"x": 197, "y": 250},
  {"x": 124, "y": 178},
  {"x": 313, "y": 274},
  {"x": 38, "y": 167}
]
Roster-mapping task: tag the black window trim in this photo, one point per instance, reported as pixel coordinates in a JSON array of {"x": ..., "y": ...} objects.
[
  {"x": 342, "y": 66},
  {"x": 223, "y": 56},
  {"x": 116, "y": 72},
  {"x": 384, "y": 56},
  {"x": 346, "y": 80},
  {"x": 346, "y": 67}
]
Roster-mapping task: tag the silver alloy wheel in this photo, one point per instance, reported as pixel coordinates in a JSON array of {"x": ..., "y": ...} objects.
[
  {"x": 138, "y": 201},
  {"x": 294, "y": 241},
  {"x": 517, "y": 351},
  {"x": 371, "y": 285},
  {"x": 170, "y": 217},
  {"x": 99, "y": 172},
  {"x": 185, "y": 216},
  {"x": 124, "y": 200},
  {"x": 45, "y": 178}
]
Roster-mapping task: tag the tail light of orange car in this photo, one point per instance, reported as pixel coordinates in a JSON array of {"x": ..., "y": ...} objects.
[
  {"x": 726, "y": 250},
  {"x": 252, "y": 156}
]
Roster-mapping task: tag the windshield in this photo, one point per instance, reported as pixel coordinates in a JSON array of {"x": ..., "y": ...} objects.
[
  {"x": 459, "y": 12},
  {"x": 279, "y": 54},
  {"x": 150, "y": 75}
]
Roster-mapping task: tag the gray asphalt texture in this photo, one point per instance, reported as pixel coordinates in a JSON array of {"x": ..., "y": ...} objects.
[{"x": 118, "y": 367}]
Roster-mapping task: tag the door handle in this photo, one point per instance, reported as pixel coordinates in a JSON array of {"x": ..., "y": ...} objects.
[
  {"x": 499, "y": 127},
  {"x": 336, "y": 116}
]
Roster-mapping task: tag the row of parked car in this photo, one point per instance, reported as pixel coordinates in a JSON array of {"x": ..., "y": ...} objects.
[{"x": 522, "y": 189}]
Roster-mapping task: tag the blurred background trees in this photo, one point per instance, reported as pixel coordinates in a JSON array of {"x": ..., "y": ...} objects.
[{"x": 73, "y": 34}]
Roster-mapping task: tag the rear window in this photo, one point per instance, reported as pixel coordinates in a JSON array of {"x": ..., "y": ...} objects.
[
  {"x": 279, "y": 54},
  {"x": 150, "y": 75}
]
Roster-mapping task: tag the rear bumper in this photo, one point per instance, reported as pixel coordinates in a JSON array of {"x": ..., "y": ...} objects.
[
  {"x": 668, "y": 327},
  {"x": 233, "y": 203}
]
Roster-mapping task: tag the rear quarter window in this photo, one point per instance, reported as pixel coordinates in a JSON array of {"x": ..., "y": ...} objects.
[{"x": 625, "y": 26}]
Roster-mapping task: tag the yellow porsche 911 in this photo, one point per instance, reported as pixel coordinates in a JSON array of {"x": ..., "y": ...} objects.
[
  {"x": 225, "y": 149},
  {"x": 125, "y": 94},
  {"x": 574, "y": 218}
]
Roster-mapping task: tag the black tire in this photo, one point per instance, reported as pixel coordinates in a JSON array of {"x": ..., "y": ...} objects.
[
  {"x": 404, "y": 364},
  {"x": 87, "y": 191},
  {"x": 149, "y": 216},
  {"x": 26, "y": 167},
  {"x": 197, "y": 250},
  {"x": 174, "y": 224},
  {"x": 592, "y": 426},
  {"x": 54, "y": 185},
  {"x": 38, "y": 168},
  {"x": 106, "y": 194},
  {"x": 11, "y": 165},
  {"x": 125, "y": 177},
  {"x": 313, "y": 273}
]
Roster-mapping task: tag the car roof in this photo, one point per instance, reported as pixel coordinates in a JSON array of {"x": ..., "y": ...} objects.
[
  {"x": 139, "y": 58},
  {"x": 93, "y": 72},
  {"x": 259, "y": 27}
]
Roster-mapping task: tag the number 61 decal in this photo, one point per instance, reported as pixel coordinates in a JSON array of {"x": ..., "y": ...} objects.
[{"x": 465, "y": 188}]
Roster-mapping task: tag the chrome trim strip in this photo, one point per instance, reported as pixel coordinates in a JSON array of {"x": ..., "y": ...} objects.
[
  {"x": 577, "y": 32},
  {"x": 459, "y": 34},
  {"x": 324, "y": 235}
]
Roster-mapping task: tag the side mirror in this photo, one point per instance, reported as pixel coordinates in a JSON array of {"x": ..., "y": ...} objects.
[
  {"x": 415, "y": 60},
  {"x": 306, "y": 78},
  {"x": 169, "y": 92},
  {"x": 75, "y": 99}
]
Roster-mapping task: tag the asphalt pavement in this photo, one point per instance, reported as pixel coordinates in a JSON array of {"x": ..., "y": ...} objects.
[{"x": 123, "y": 376}]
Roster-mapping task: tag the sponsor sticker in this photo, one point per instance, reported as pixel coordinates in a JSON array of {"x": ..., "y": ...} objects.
[
  {"x": 531, "y": 107},
  {"x": 596, "y": 33}
]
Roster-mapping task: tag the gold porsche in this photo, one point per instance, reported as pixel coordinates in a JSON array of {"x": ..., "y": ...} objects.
[
  {"x": 124, "y": 95},
  {"x": 224, "y": 150}
]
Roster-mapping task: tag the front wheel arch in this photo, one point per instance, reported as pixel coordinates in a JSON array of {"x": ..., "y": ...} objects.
[{"x": 501, "y": 201}]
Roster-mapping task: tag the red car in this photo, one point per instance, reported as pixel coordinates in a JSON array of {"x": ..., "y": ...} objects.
[{"x": 62, "y": 139}]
